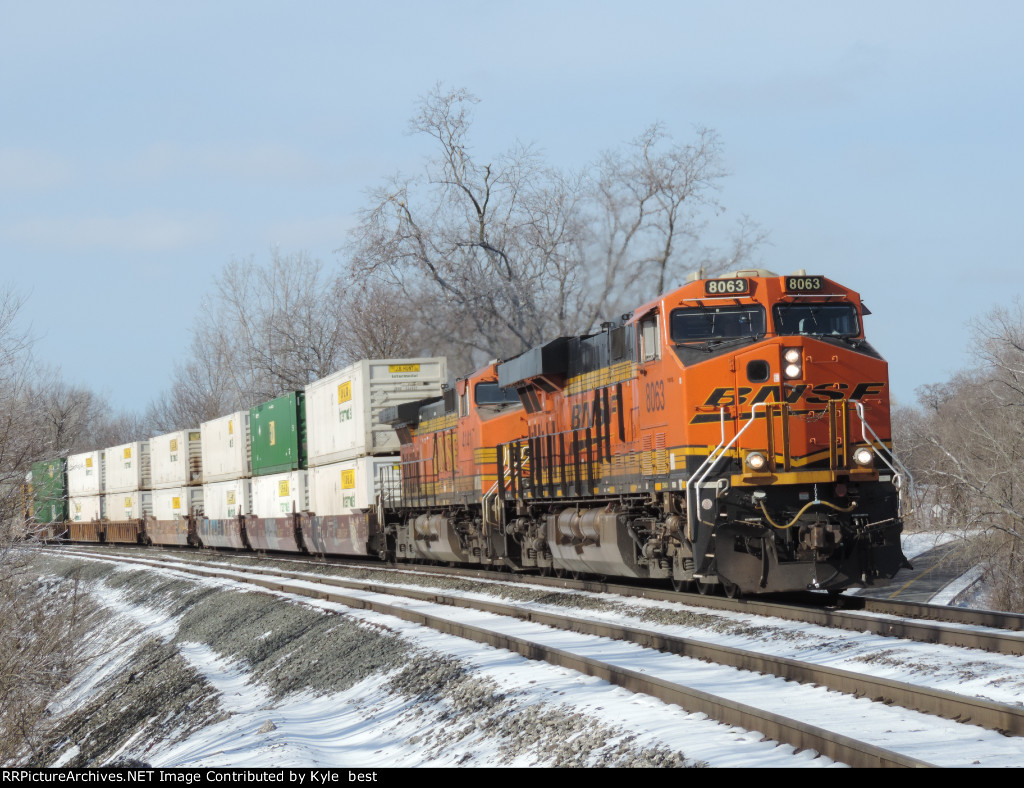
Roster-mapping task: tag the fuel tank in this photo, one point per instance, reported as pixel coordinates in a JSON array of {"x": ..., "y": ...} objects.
[
  {"x": 430, "y": 537},
  {"x": 595, "y": 541}
]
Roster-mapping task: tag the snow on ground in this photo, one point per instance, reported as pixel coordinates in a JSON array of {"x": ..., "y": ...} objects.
[
  {"x": 918, "y": 542},
  {"x": 450, "y": 702},
  {"x": 966, "y": 591}
]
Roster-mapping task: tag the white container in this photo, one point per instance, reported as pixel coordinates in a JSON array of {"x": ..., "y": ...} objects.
[
  {"x": 127, "y": 468},
  {"x": 280, "y": 494},
  {"x": 223, "y": 500},
  {"x": 344, "y": 487},
  {"x": 84, "y": 509},
  {"x": 173, "y": 503},
  {"x": 176, "y": 459},
  {"x": 342, "y": 409},
  {"x": 225, "y": 446},
  {"x": 85, "y": 474},
  {"x": 131, "y": 505}
]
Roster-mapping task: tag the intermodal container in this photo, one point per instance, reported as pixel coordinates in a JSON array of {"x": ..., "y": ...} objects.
[
  {"x": 345, "y": 487},
  {"x": 86, "y": 508},
  {"x": 85, "y": 474},
  {"x": 174, "y": 503},
  {"x": 223, "y": 500},
  {"x": 280, "y": 494},
  {"x": 176, "y": 459},
  {"x": 343, "y": 408},
  {"x": 127, "y": 468},
  {"x": 128, "y": 505},
  {"x": 49, "y": 491},
  {"x": 278, "y": 435},
  {"x": 225, "y": 445}
]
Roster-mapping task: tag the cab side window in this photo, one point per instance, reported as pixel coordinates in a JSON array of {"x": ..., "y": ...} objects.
[{"x": 650, "y": 346}]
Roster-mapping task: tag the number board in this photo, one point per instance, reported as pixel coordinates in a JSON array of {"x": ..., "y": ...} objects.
[
  {"x": 718, "y": 287},
  {"x": 804, "y": 284}
]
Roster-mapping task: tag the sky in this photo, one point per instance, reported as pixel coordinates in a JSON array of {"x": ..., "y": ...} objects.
[{"x": 145, "y": 145}]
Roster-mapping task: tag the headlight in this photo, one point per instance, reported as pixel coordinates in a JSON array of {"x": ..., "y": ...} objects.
[
  {"x": 793, "y": 359},
  {"x": 757, "y": 461},
  {"x": 863, "y": 456}
]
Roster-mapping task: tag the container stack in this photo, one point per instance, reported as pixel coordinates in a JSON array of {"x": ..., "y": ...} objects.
[
  {"x": 176, "y": 475},
  {"x": 86, "y": 487},
  {"x": 271, "y": 478},
  {"x": 347, "y": 447},
  {"x": 128, "y": 476},
  {"x": 227, "y": 466},
  {"x": 49, "y": 492}
]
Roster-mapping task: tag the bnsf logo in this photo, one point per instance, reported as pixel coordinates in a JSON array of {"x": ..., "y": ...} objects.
[{"x": 821, "y": 394}]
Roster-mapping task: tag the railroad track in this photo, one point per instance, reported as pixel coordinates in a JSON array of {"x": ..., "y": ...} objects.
[
  {"x": 985, "y": 630},
  {"x": 392, "y": 600}
]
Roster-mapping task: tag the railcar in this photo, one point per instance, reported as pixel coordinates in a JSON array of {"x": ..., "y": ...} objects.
[
  {"x": 732, "y": 433},
  {"x": 450, "y": 508}
]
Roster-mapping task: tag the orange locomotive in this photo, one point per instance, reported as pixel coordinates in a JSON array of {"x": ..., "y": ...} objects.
[{"x": 734, "y": 432}]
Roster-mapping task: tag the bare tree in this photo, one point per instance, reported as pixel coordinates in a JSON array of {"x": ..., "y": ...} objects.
[
  {"x": 265, "y": 330},
  {"x": 452, "y": 240},
  {"x": 967, "y": 443},
  {"x": 376, "y": 322},
  {"x": 272, "y": 328},
  {"x": 495, "y": 256},
  {"x": 202, "y": 389},
  {"x": 21, "y": 443},
  {"x": 113, "y": 428},
  {"x": 647, "y": 202},
  {"x": 39, "y": 418},
  {"x": 68, "y": 413}
]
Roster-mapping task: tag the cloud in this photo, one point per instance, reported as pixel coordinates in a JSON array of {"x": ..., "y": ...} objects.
[
  {"x": 254, "y": 162},
  {"x": 24, "y": 169},
  {"x": 140, "y": 233}
]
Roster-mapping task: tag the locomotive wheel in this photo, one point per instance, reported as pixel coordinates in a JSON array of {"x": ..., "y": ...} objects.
[
  {"x": 704, "y": 589},
  {"x": 732, "y": 591},
  {"x": 681, "y": 585},
  {"x": 546, "y": 571},
  {"x": 575, "y": 575},
  {"x": 559, "y": 573}
]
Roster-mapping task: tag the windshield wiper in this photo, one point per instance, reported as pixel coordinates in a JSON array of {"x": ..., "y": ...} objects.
[{"x": 716, "y": 341}]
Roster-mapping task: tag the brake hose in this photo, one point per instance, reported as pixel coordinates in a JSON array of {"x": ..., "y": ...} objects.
[{"x": 799, "y": 514}]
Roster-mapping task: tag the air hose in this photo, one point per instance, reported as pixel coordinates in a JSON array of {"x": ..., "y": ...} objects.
[{"x": 799, "y": 514}]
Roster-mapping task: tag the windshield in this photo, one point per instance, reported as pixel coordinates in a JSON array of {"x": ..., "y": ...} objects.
[
  {"x": 836, "y": 320},
  {"x": 698, "y": 324}
]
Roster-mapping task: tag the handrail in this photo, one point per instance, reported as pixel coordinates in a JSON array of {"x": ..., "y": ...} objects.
[
  {"x": 865, "y": 428},
  {"x": 712, "y": 459}
]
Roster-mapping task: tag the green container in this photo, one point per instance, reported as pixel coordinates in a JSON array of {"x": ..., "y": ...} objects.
[
  {"x": 49, "y": 491},
  {"x": 278, "y": 435}
]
